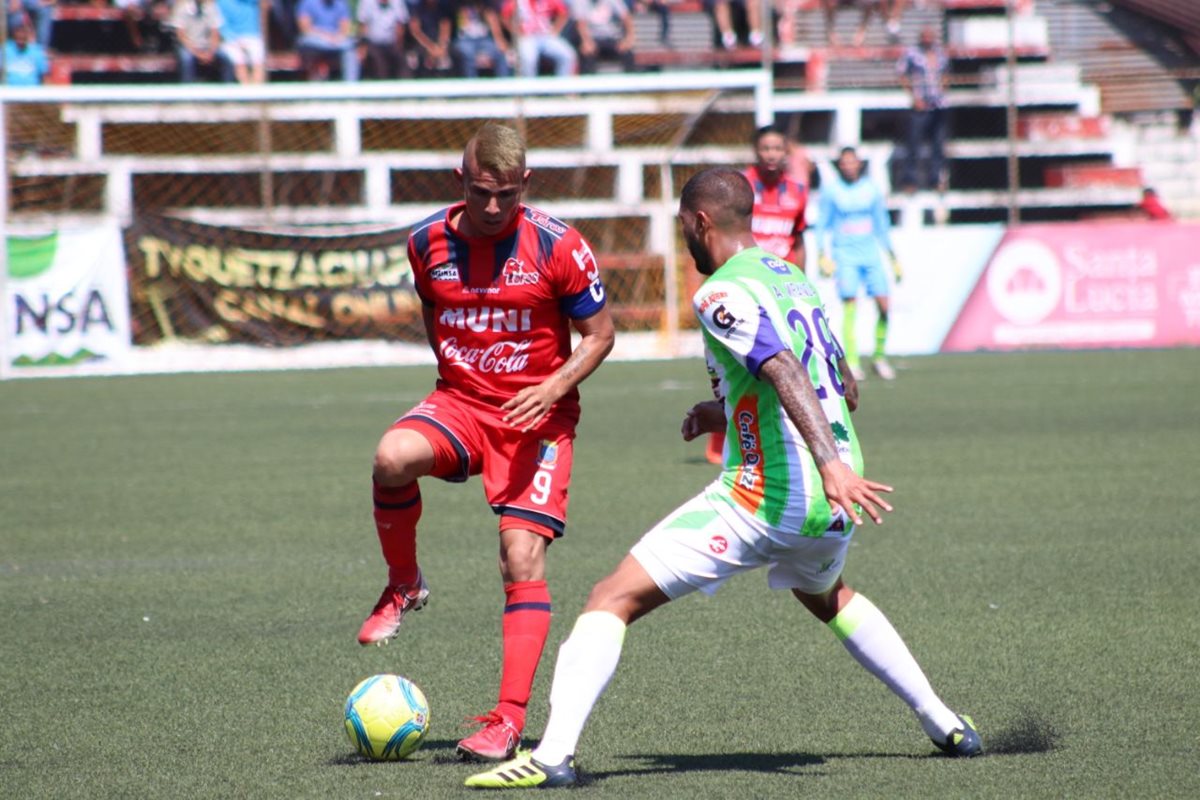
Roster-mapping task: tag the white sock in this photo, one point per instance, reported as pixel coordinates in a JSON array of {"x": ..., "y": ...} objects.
[
  {"x": 874, "y": 643},
  {"x": 586, "y": 663}
]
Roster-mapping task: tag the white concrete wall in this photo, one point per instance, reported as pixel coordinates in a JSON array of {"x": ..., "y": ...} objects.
[{"x": 1169, "y": 158}]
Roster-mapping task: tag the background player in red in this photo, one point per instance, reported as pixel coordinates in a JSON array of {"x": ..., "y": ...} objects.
[
  {"x": 501, "y": 284},
  {"x": 780, "y": 199},
  {"x": 780, "y": 196}
]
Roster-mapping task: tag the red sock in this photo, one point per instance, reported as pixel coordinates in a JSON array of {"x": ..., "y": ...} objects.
[
  {"x": 397, "y": 509},
  {"x": 526, "y": 626}
]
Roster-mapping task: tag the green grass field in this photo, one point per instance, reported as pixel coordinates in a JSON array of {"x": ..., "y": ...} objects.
[{"x": 185, "y": 560}]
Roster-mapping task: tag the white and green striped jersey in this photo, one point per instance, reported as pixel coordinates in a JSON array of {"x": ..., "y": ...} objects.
[{"x": 754, "y": 306}]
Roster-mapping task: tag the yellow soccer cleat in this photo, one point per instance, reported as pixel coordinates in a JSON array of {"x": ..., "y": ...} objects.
[
  {"x": 526, "y": 772},
  {"x": 963, "y": 742}
]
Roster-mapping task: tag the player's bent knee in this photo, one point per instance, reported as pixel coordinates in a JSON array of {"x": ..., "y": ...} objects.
[
  {"x": 522, "y": 555},
  {"x": 402, "y": 456},
  {"x": 826, "y": 605},
  {"x": 629, "y": 593}
]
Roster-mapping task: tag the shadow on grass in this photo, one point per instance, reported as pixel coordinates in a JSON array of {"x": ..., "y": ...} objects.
[
  {"x": 441, "y": 751},
  {"x": 1029, "y": 734},
  {"x": 700, "y": 459},
  {"x": 722, "y": 762}
]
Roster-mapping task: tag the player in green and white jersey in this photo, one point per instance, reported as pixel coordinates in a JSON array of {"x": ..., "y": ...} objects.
[
  {"x": 787, "y": 499},
  {"x": 755, "y": 307}
]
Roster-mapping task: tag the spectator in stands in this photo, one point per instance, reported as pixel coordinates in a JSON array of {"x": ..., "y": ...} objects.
[
  {"x": 242, "y": 40},
  {"x": 144, "y": 22},
  {"x": 893, "y": 11},
  {"x": 785, "y": 21},
  {"x": 924, "y": 72},
  {"x": 283, "y": 22},
  {"x": 197, "y": 27},
  {"x": 479, "y": 36},
  {"x": 603, "y": 30},
  {"x": 735, "y": 22},
  {"x": 661, "y": 9},
  {"x": 25, "y": 61},
  {"x": 383, "y": 26},
  {"x": 1152, "y": 207},
  {"x": 537, "y": 28},
  {"x": 890, "y": 10},
  {"x": 326, "y": 32},
  {"x": 431, "y": 26},
  {"x": 40, "y": 15}
]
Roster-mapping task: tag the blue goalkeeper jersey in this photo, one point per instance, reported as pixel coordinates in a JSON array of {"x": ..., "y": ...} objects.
[{"x": 853, "y": 222}]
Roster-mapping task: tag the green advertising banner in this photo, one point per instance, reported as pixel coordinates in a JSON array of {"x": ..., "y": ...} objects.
[{"x": 66, "y": 301}]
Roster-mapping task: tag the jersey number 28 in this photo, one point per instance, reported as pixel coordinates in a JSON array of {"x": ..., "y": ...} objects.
[{"x": 831, "y": 352}]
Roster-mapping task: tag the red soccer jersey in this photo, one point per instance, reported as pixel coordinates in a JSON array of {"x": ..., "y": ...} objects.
[
  {"x": 778, "y": 213},
  {"x": 502, "y": 305}
]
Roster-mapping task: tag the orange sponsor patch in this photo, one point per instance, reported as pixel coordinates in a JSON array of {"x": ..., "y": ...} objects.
[{"x": 748, "y": 483}]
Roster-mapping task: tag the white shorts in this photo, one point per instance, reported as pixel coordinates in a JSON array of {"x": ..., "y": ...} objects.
[
  {"x": 699, "y": 546},
  {"x": 245, "y": 51}
]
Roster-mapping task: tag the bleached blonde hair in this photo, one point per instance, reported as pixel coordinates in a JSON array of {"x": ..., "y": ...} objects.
[{"x": 498, "y": 149}]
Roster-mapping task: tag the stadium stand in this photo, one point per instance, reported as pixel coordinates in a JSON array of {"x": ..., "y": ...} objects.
[{"x": 1072, "y": 75}]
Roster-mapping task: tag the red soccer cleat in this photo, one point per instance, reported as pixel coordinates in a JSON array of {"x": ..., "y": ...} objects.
[
  {"x": 394, "y": 603},
  {"x": 497, "y": 740}
]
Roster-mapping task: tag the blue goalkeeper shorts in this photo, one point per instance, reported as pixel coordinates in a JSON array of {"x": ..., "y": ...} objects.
[{"x": 852, "y": 274}]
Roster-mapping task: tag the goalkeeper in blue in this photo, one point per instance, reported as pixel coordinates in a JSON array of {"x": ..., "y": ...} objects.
[
  {"x": 852, "y": 227},
  {"x": 790, "y": 503}
]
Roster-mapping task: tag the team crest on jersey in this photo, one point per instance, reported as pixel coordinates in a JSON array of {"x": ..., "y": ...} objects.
[
  {"x": 515, "y": 273},
  {"x": 547, "y": 453},
  {"x": 444, "y": 272},
  {"x": 777, "y": 266}
]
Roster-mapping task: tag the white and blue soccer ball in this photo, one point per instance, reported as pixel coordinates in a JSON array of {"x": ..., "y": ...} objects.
[{"x": 387, "y": 717}]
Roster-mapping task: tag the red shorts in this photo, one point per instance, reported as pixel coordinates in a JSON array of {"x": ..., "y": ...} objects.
[{"x": 525, "y": 475}]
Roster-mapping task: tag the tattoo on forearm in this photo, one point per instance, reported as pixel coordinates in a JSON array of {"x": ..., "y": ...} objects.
[
  {"x": 574, "y": 361},
  {"x": 800, "y": 401}
]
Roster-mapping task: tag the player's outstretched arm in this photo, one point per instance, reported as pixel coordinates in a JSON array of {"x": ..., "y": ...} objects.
[
  {"x": 843, "y": 487},
  {"x": 702, "y": 418},
  {"x": 530, "y": 405}
]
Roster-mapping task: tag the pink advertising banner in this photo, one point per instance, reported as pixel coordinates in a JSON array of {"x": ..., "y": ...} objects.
[{"x": 1112, "y": 284}]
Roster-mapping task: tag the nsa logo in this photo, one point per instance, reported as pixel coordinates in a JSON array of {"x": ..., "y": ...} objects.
[{"x": 444, "y": 272}]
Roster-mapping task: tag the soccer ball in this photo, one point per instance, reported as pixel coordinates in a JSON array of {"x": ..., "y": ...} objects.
[{"x": 387, "y": 717}]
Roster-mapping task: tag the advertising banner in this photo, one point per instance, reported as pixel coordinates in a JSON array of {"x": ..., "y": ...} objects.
[
  {"x": 1084, "y": 285},
  {"x": 66, "y": 302},
  {"x": 941, "y": 267},
  {"x": 216, "y": 284}
]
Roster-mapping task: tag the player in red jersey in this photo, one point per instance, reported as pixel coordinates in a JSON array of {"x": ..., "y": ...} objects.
[
  {"x": 780, "y": 196},
  {"x": 780, "y": 199},
  {"x": 502, "y": 284}
]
